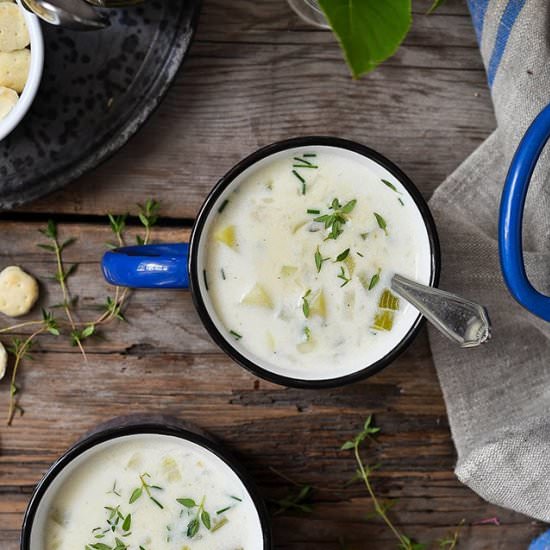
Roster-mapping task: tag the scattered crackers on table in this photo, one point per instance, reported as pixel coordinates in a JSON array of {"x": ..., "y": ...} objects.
[
  {"x": 18, "y": 291},
  {"x": 15, "y": 55}
]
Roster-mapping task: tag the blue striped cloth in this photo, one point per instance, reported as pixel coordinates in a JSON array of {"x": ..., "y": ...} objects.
[
  {"x": 498, "y": 395},
  {"x": 478, "y": 9}
]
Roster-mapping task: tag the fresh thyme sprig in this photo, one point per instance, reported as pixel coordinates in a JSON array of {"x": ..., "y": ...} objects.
[
  {"x": 337, "y": 219},
  {"x": 61, "y": 276},
  {"x": 450, "y": 542},
  {"x": 117, "y": 524},
  {"x": 202, "y": 516},
  {"x": 364, "y": 472},
  {"x": 76, "y": 331},
  {"x": 319, "y": 260},
  {"x": 342, "y": 275},
  {"x": 145, "y": 487},
  {"x": 148, "y": 216}
]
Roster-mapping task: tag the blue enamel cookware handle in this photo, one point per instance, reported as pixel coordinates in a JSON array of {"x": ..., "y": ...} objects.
[
  {"x": 147, "y": 266},
  {"x": 511, "y": 216}
]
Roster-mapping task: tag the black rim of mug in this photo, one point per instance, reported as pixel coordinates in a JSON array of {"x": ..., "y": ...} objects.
[{"x": 212, "y": 200}]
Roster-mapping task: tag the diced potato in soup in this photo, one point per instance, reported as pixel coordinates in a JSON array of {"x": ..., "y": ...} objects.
[
  {"x": 299, "y": 260},
  {"x": 147, "y": 492}
]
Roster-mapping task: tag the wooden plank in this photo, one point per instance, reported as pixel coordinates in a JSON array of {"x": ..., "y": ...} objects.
[{"x": 256, "y": 74}]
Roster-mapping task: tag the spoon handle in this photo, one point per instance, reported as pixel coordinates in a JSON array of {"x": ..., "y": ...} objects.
[{"x": 461, "y": 320}]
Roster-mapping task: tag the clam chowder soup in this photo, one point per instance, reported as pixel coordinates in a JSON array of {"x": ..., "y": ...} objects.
[
  {"x": 299, "y": 258},
  {"x": 149, "y": 492}
]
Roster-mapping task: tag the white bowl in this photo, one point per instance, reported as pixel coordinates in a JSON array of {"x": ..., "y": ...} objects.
[{"x": 16, "y": 115}]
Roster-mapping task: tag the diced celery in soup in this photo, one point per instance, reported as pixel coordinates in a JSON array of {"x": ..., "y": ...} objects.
[
  {"x": 300, "y": 258},
  {"x": 152, "y": 492}
]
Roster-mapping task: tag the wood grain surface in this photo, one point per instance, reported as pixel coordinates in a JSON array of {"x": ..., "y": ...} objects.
[{"x": 256, "y": 74}]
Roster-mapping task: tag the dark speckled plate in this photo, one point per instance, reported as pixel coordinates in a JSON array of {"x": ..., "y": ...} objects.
[{"x": 98, "y": 88}]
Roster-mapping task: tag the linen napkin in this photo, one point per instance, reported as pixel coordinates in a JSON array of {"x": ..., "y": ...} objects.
[{"x": 498, "y": 395}]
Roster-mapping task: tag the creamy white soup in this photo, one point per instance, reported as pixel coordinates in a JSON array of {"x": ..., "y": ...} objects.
[
  {"x": 148, "y": 492},
  {"x": 299, "y": 260}
]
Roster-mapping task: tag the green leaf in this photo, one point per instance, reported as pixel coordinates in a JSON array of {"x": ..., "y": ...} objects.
[
  {"x": 187, "y": 502},
  {"x": 381, "y": 222},
  {"x": 156, "y": 502},
  {"x": 127, "y": 523},
  {"x": 343, "y": 255},
  {"x": 48, "y": 247},
  {"x": 390, "y": 185},
  {"x": 305, "y": 304},
  {"x": 374, "y": 280},
  {"x": 193, "y": 528},
  {"x": 135, "y": 494},
  {"x": 88, "y": 331},
  {"x": 50, "y": 231},
  {"x": 348, "y": 207},
  {"x": 67, "y": 243},
  {"x": 144, "y": 220},
  {"x": 369, "y": 31},
  {"x": 318, "y": 260},
  {"x": 205, "y": 518},
  {"x": 347, "y": 445}
]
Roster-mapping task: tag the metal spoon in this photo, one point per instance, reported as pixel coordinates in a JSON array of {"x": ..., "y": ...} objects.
[
  {"x": 461, "y": 320},
  {"x": 71, "y": 14}
]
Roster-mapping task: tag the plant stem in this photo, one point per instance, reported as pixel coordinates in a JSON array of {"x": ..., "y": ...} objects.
[
  {"x": 66, "y": 307},
  {"x": 18, "y": 358},
  {"x": 20, "y": 325},
  {"x": 379, "y": 509}
]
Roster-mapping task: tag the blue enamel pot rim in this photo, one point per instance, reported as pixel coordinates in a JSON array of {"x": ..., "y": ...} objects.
[
  {"x": 211, "y": 201},
  {"x": 173, "y": 429}
]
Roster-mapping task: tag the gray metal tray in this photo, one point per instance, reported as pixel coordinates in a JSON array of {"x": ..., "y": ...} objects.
[{"x": 97, "y": 90}]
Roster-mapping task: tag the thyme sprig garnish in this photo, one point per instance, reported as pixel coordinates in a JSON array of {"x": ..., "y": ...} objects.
[
  {"x": 337, "y": 219},
  {"x": 342, "y": 275},
  {"x": 77, "y": 331},
  {"x": 319, "y": 260},
  {"x": 201, "y": 516},
  {"x": 364, "y": 472},
  {"x": 145, "y": 487},
  {"x": 117, "y": 524}
]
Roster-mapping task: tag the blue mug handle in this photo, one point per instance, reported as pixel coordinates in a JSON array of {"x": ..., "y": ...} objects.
[
  {"x": 511, "y": 216},
  {"x": 147, "y": 266}
]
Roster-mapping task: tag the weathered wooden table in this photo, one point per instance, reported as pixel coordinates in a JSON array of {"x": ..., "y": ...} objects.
[{"x": 256, "y": 74}]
